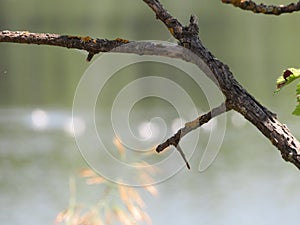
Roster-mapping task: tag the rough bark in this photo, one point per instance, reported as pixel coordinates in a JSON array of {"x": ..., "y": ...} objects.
[
  {"x": 237, "y": 98},
  {"x": 263, "y": 8},
  {"x": 92, "y": 46}
]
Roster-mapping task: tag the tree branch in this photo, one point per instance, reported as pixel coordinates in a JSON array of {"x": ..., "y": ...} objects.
[
  {"x": 237, "y": 98},
  {"x": 262, "y": 8},
  {"x": 92, "y": 46},
  {"x": 190, "y": 126}
]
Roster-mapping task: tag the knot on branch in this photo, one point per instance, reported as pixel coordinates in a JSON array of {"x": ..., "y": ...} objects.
[{"x": 192, "y": 29}]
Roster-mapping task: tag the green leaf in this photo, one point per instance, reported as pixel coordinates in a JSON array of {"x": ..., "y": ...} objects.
[
  {"x": 297, "y": 109},
  {"x": 298, "y": 90},
  {"x": 287, "y": 77}
]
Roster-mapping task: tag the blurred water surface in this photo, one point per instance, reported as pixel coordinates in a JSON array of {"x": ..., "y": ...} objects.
[{"x": 248, "y": 183}]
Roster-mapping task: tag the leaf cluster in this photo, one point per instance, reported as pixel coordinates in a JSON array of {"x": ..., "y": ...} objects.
[{"x": 287, "y": 77}]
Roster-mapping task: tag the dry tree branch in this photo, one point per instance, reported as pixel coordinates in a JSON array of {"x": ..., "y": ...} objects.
[
  {"x": 92, "y": 46},
  {"x": 237, "y": 98},
  {"x": 190, "y": 126},
  {"x": 262, "y": 8}
]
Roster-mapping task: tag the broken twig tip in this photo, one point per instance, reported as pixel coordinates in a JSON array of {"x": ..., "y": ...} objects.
[
  {"x": 183, "y": 156},
  {"x": 188, "y": 165},
  {"x": 89, "y": 57},
  {"x": 159, "y": 149}
]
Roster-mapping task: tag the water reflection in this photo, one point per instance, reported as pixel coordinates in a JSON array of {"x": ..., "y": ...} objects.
[
  {"x": 39, "y": 119},
  {"x": 52, "y": 120},
  {"x": 70, "y": 123},
  {"x": 248, "y": 183}
]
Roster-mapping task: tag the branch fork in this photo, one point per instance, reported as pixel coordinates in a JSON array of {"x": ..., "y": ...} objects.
[
  {"x": 190, "y": 126},
  {"x": 237, "y": 98}
]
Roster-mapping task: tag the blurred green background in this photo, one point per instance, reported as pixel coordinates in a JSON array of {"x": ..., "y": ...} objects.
[{"x": 248, "y": 183}]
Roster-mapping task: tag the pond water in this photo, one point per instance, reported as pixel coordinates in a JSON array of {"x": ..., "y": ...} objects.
[{"x": 247, "y": 183}]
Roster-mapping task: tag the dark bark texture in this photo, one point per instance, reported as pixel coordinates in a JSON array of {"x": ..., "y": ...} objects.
[
  {"x": 237, "y": 98},
  {"x": 265, "y": 9}
]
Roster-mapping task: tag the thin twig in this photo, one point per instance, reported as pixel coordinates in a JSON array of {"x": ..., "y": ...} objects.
[
  {"x": 237, "y": 97},
  {"x": 192, "y": 125},
  {"x": 179, "y": 149},
  {"x": 262, "y": 8}
]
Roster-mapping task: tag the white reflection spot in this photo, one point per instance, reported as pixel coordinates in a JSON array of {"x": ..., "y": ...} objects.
[
  {"x": 76, "y": 123},
  {"x": 148, "y": 130},
  {"x": 39, "y": 119}
]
